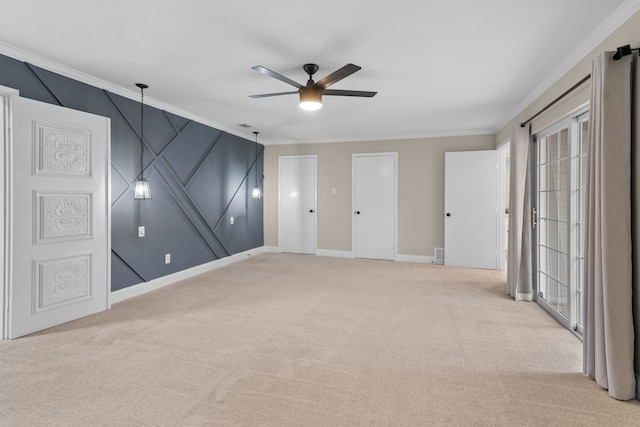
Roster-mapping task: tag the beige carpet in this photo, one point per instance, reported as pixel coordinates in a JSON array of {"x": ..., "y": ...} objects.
[{"x": 284, "y": 340}]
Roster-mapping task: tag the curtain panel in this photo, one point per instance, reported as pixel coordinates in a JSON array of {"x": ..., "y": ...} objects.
[
  {"x": 519, "y": 279},
  {"x": 609, "y": 334}
]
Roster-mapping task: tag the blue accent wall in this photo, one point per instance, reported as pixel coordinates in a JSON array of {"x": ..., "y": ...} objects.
[{"x": 199, "y": 178}]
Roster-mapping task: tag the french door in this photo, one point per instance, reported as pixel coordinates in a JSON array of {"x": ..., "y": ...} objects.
[{"x": 561, "y": 160}]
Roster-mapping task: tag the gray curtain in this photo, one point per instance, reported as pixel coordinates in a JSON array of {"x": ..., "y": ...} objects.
[
  {"x": 609, "y": 334},
  {"x": 519, "y": 256}
]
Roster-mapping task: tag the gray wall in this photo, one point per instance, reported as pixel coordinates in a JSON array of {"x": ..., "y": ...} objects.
[{"x": 199, "y": 177}]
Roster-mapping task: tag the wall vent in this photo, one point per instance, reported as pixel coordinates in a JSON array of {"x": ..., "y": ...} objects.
[{"x": 439, "y": 255}]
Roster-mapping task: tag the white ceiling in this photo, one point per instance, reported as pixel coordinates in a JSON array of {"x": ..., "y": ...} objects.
[{"x": 441, "y": 67}]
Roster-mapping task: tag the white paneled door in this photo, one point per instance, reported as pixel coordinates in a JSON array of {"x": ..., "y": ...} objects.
[
  {"x": 297, "y": 210},
  {"x": 58, "y": 216},
  {"x": 374, "y": 205},
  {"x": 471, "y": 209}
]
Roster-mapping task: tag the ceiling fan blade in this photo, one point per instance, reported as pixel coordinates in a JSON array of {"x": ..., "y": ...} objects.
[
  {"x": 337, "y": 75},
  {"x": 268, "y": 72},
  {"x": 339, "y": 92},
  {"x": 266, "y": 95}
]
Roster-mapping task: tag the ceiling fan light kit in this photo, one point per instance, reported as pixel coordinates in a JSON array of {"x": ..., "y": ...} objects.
[
  {"x": 311, "y": 98},
  {"x": 311, "y": 94}
]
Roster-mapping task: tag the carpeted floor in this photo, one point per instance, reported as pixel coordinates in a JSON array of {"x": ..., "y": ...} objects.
[{"x": 294, "y": 340}]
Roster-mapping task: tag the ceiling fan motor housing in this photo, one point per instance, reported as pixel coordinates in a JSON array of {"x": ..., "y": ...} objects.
[{"x": 310, "y": 69}]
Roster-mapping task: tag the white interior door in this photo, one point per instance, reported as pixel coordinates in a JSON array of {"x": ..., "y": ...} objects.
[
  {"x": 374, "y": 205},
  {"x": 471, "y": 209},
  {"x": 297, "y": 211},
  {"x": 58, "y": 216}
]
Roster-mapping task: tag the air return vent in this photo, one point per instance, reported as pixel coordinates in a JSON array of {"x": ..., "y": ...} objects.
[{"x": 439, "y": 255}]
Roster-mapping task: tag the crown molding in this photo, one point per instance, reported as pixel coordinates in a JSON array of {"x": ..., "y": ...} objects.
[
  {"x": 55, "y": 67},
  {"x": 604, "y": 30},
  {"x": 399, "y": 137}
]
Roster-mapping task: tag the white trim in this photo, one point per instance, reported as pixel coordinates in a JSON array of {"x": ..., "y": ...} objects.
[
  {"x": 108, "y": 210},
  {"x": 6, "y": 93},
  {"x": 152, "y": 285},
  {"x": 9, "y": 91},
  {"x": 502, "y": 202},
  {"x": 271, "y": 249},
  {"x": 503, "y": 143},
  {"x": 418, "y": 259},
  {"x": 604, "y": 30},
  {"x": 387, "y": 137},
  {"x": 49, "y": 65},
  {"x": 334, "y": 254},
  {"x": 393, "y": 154}
]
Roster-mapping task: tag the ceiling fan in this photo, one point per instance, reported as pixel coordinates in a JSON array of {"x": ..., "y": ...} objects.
[{"x": 311, "y": 94}]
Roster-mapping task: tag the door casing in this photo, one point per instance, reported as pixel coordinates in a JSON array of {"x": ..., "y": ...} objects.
[{"x": 6, "y": 94}]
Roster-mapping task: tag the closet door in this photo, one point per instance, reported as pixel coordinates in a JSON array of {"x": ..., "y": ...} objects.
[
  {"x": 471, "y": 209},
  {"x": 297, "y": 204},
  {"x": 374, "y": 205}
]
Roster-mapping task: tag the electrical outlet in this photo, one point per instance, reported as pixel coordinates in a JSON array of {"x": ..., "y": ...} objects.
[
  {"x": 167, "y": 258},
  {"x": 141, "y": 231},
  {"x": 231, "y": 220}
]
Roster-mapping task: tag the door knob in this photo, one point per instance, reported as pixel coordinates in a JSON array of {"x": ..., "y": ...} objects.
[
  {"x": 310, "y": 210},
  {"x": 448, "y": 214},
  {"x": 358, "y": 212}
]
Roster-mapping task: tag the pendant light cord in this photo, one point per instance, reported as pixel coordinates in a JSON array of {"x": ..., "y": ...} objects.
[
  {"x": 256, "y": 133},
  {"x": 141, "y": 132}
]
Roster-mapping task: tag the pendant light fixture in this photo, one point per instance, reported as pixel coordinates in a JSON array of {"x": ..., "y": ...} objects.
[
  {"x": 141, "y": 190},
  {"x": 256, "y": 194}
]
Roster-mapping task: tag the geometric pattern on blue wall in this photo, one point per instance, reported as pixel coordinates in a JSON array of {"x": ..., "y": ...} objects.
[{"x": 199, "y": 177}]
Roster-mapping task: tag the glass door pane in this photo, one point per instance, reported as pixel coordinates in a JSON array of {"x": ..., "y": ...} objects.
[
  {"x": 561, "y": 168},
  {"x": 553, "y": 219}
]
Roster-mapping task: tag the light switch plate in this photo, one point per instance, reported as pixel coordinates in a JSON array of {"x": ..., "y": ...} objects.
[
  {"x": 231, "y": 220},
  {"x": 167, "y": 258},
  {"x": 141, "y": 231}
]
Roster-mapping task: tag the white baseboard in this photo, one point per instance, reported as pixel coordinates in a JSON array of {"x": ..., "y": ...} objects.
[
  {"x": 334, "y": 254},
  {"x": 417, "y": 259},
  {"x": 349, "y": 254},
  {"x": 144, "y": 287},
  {"x": 319, "y": 252}
]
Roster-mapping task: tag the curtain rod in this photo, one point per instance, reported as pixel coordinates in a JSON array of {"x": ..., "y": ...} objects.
[{"x": 552, "y": 103}]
